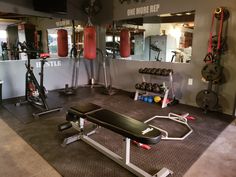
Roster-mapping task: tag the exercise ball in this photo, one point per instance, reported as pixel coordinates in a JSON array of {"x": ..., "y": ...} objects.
[
  {"x": 62, "y": 43},
  {"x": 124, "y": 43},
  {"x": 90, "y": 48}
]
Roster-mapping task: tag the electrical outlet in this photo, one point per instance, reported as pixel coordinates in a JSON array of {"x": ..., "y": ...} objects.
[{"x": 190, "y": 81}]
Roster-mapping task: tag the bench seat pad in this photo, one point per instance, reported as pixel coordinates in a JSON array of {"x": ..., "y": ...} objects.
[{"x": 125, "y": 126}]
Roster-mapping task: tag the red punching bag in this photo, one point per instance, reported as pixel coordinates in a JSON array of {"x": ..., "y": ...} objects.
[
  {"x": 62, "y": 43},
  {"x": 90, "y": 48},
  {"x": 124, "y": 43}
]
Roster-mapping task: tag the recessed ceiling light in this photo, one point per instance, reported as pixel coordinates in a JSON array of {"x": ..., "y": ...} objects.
[{"x": 165, "y": 15}]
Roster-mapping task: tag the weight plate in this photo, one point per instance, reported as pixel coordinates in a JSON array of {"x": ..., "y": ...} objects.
[
  {"x": 207, "y": 99},
  {"x": 211, "y": 72}
]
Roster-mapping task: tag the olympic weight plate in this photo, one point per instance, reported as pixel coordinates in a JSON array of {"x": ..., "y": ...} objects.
[
  {"x": 207, "y": 99},
  {"x": 211, "y": 72}
]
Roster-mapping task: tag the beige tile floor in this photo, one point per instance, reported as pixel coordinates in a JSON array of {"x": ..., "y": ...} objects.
[
  {"x": 219, "y": 160},
  {"x": 18, "y": 159}
]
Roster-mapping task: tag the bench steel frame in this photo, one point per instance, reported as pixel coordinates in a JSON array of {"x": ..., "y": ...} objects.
[{"x": 123, "y": 161}]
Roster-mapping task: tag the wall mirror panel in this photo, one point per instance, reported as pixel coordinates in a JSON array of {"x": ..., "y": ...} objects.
[
  {"x": 24, "y": 36},
  {"x": 164, "y": 38}
]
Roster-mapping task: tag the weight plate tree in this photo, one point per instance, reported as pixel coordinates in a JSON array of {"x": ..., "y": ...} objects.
[{"x": 212, "y": 72}]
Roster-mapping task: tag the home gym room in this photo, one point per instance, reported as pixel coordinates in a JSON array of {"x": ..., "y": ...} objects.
[{"x": 117, "y": 88}]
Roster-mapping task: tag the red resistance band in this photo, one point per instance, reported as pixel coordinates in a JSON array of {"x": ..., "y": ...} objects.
[{"x": 210, "y": 57}]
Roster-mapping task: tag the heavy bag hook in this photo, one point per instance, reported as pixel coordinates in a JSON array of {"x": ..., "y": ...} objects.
[{"x": 91, "y": 8}]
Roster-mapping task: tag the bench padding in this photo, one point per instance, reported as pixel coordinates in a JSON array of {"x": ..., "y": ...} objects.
[
  {"x": 80, "y": 110},
  {"x": 121, "y": 124},
  {"x": 84, "y": 108},
  {"x": 125, "y": 126}
]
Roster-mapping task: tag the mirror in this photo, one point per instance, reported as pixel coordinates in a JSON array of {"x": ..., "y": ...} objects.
[
  {"x": 164, "y": 38},
  {"x": 24, "y": 36}
]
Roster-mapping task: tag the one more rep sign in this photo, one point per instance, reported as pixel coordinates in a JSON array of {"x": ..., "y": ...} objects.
[
  {"x": 124, "y": 9},
  {"x": 143, "y": 10}
]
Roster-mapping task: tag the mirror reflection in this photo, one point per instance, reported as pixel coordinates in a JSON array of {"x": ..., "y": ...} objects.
[
  {"x": 24, "y": 36},
  {"x": 164, "y": 38}
]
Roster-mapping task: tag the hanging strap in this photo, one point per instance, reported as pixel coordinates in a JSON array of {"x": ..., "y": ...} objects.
[
  {"x": 220, "y": 30},
  {"x": 211, "y": 34},
  {"x": 210, "y": 50}
]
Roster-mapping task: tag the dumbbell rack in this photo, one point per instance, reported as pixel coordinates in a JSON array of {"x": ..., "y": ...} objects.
[{"x": 165, "y": 94}]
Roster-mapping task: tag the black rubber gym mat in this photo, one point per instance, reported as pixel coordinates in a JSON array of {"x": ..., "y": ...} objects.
[
  {"x": 80, "y": 159},
  {"x": 24, "y": 111}
]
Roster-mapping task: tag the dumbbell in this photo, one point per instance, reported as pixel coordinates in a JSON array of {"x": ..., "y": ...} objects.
[
  {"x": 143, "y": 86},
  {"x": 140, "y": 70},
  {"x": 162, "y": 88},
  {"x": 164, "y": 72},
  {"x": 167, "y": 72},
  {"x": 156, "y": 88},
  {"x": 170, "y": 71},
  {"x": 137, "y": 86},
  {"x": 149, "y": 87},
  {"x": 158, "y": 71},
  {"x": 149, "y": 70},
  {"x": 153, "y": 71},
  {"x": 145, "y": 70}
]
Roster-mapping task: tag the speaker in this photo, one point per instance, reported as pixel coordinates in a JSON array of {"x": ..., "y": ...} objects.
[{"x": 51, "y": 6}]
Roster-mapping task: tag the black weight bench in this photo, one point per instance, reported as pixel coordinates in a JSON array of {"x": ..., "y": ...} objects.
[{"x": 128, "y": 127}]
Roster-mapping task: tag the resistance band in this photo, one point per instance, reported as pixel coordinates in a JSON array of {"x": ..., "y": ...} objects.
[{"x": 210, "y": 57}]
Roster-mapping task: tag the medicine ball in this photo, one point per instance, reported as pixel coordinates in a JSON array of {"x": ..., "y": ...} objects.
[
  {"x": 157, "y": 99},
  {"x": 145, "y": 99},
  {"x": 150, "y": 99}
]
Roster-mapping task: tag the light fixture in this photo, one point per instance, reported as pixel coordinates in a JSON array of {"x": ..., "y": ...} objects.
[{"x": 3, "y": 34}]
